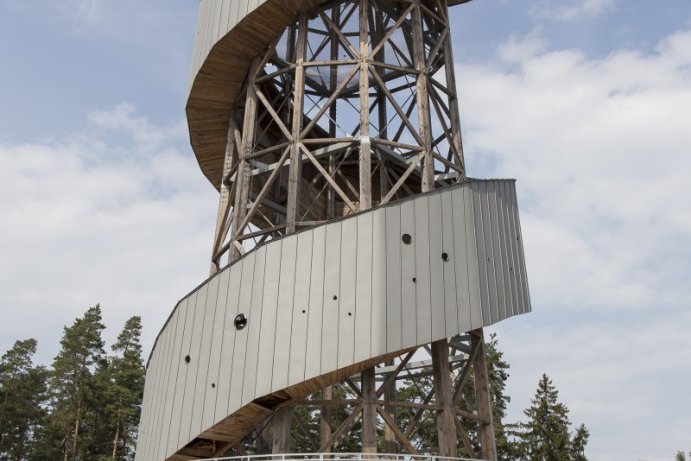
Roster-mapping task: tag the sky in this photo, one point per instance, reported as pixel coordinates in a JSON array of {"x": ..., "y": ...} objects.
[{"x": 587, "y": 103}]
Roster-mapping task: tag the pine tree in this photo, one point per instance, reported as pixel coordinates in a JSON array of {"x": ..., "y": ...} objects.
[
  {"x": 580, "y": 440},
  {"x": 546, "y": 436},
  {"x": 22, "y": 394},
  {"x": 681, "y": 456},
  {"x": 74, "y": 389},
  {"x": 497, "y": 369},
  {"x": 125, "y": 388}
]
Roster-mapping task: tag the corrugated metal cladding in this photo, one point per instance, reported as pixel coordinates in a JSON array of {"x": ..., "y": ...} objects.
[
  {"x": 216, "y": 19},
  {"x": 330, "y": 297}
]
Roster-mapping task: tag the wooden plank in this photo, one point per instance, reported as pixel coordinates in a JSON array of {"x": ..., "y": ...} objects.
[
  {"x": 408, "y": 275},
  {"x": 379, "y": 327},
  {"x": 265, "y": 358}
]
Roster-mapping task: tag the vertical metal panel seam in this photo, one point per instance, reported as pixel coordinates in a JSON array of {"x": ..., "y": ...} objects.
[
  {"x": 172, "y": 324},
  {"x": 243, "y": 375}
]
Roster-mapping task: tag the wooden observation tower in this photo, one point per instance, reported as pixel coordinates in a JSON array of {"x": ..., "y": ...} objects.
[{"x": 352, "y": 255}]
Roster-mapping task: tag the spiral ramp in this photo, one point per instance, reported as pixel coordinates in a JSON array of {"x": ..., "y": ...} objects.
[
  {"x": 325, "y": 303},
  {"x": 322, "y": 304}
]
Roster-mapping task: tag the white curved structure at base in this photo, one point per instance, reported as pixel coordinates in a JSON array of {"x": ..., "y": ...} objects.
[{"x": 324, "y": 303}]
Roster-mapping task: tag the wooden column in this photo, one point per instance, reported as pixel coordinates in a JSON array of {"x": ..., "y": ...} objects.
[
  {"x": 446, "y": 423},
  {"x": 369, "y": 411},
  {"x": 243, "y": 174},
  {"x": 230, "y": 160},
  {"x": 298, "y": 107},
  {"x": 424, "y": 124},
  {"x": 325, "y": 418},
  {"x": 365, "y": 145},
  {"x": 483, "y": 397},
  {"x": 453, "y": 97},
  {"x": 390, "y": 396},
  {"x": 281, "y": 429}
]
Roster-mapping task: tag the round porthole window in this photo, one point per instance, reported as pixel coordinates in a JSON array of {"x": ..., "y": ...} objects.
[
  {"x": 240, "y": 321},
  {"x": 407, "y": 239}
]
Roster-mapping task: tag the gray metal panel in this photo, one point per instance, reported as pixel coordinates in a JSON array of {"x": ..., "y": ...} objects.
[
  {"x": 449, "y": 241},
  {"x": 332, "y": 281},
  {"x": 284, "y": 312},
  {"x": 240, "y": 361},
  {"x": 393, "y": 279},
  {"x": 437, "y": 266},
  {"x": 347, "y": 290},
  {"x": 267, "y": 343},
  {"x": 301, "y": 298},
  {"x": 193, "y": 367},
  {"x": 246, "y": 372},
  {"x": 316, "y": 303},
  {"x": 185, "y": 340},
  {"x": 423, "y": 282},
  {"x": 363, "y": 301},
  {"x": 173, "y": 410},
  {"x": 462, "y": 316},
  {"x": 408, "y": 273},
  {"x": 472, "y": 258},
  {"x": 362, "y": 261},
  {"x": 158, "y": 447},
  {"x": 225, "y": 368},
  {"x": 203, "y": 385},
  {"x": 151, "y": 384},
  {"x": 487, "y": 296},
  {"x": 215, "y": 354},
  {"x": 216, "y": 19},
  {"x": 169, "y": 390},
  {"x": 379, "y": 327}
]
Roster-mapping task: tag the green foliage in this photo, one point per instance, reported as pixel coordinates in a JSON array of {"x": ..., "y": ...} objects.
[
  {"x": 86, "y": 407},
  {"x": 546, "y": 435},
  {"x": 22, "y": 394},
  {"x": 498, "y": 372}
]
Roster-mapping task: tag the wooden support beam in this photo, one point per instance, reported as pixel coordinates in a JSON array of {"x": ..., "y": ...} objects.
[
  {"x": 369, "y": 412},
  {"x": 242, "y": 195},
  {"x": 365, "y": 144},
  {"x": 298, "y": 113},
  {"x": 325, "y": 420},
  {"x": 483, "y": 397},
  {"x": 281, "y": 429},
  {"x": 402, "y": 439},
  {"x": 446, "y": 425}
]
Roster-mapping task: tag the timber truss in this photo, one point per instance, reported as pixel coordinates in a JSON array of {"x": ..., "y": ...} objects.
[
  {"x": 432, "y": 399},
  {"x": 354, "y": 105}
]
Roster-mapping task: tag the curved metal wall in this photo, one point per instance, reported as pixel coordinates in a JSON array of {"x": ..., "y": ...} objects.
[{"x": 334, "y": 297}]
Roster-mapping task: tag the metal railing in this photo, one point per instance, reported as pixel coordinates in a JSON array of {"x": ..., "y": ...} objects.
[{"x": 341, "y": 457}]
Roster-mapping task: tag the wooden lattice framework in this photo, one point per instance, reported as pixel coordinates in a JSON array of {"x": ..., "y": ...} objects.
[{"x": 352, "y": 106}]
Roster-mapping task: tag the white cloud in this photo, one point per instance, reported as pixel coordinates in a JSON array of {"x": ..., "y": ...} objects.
[
  {"x": 119, "y": 214},
  {"x": 571, "y": 10},
  {"x": 600, "y": 151}
]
